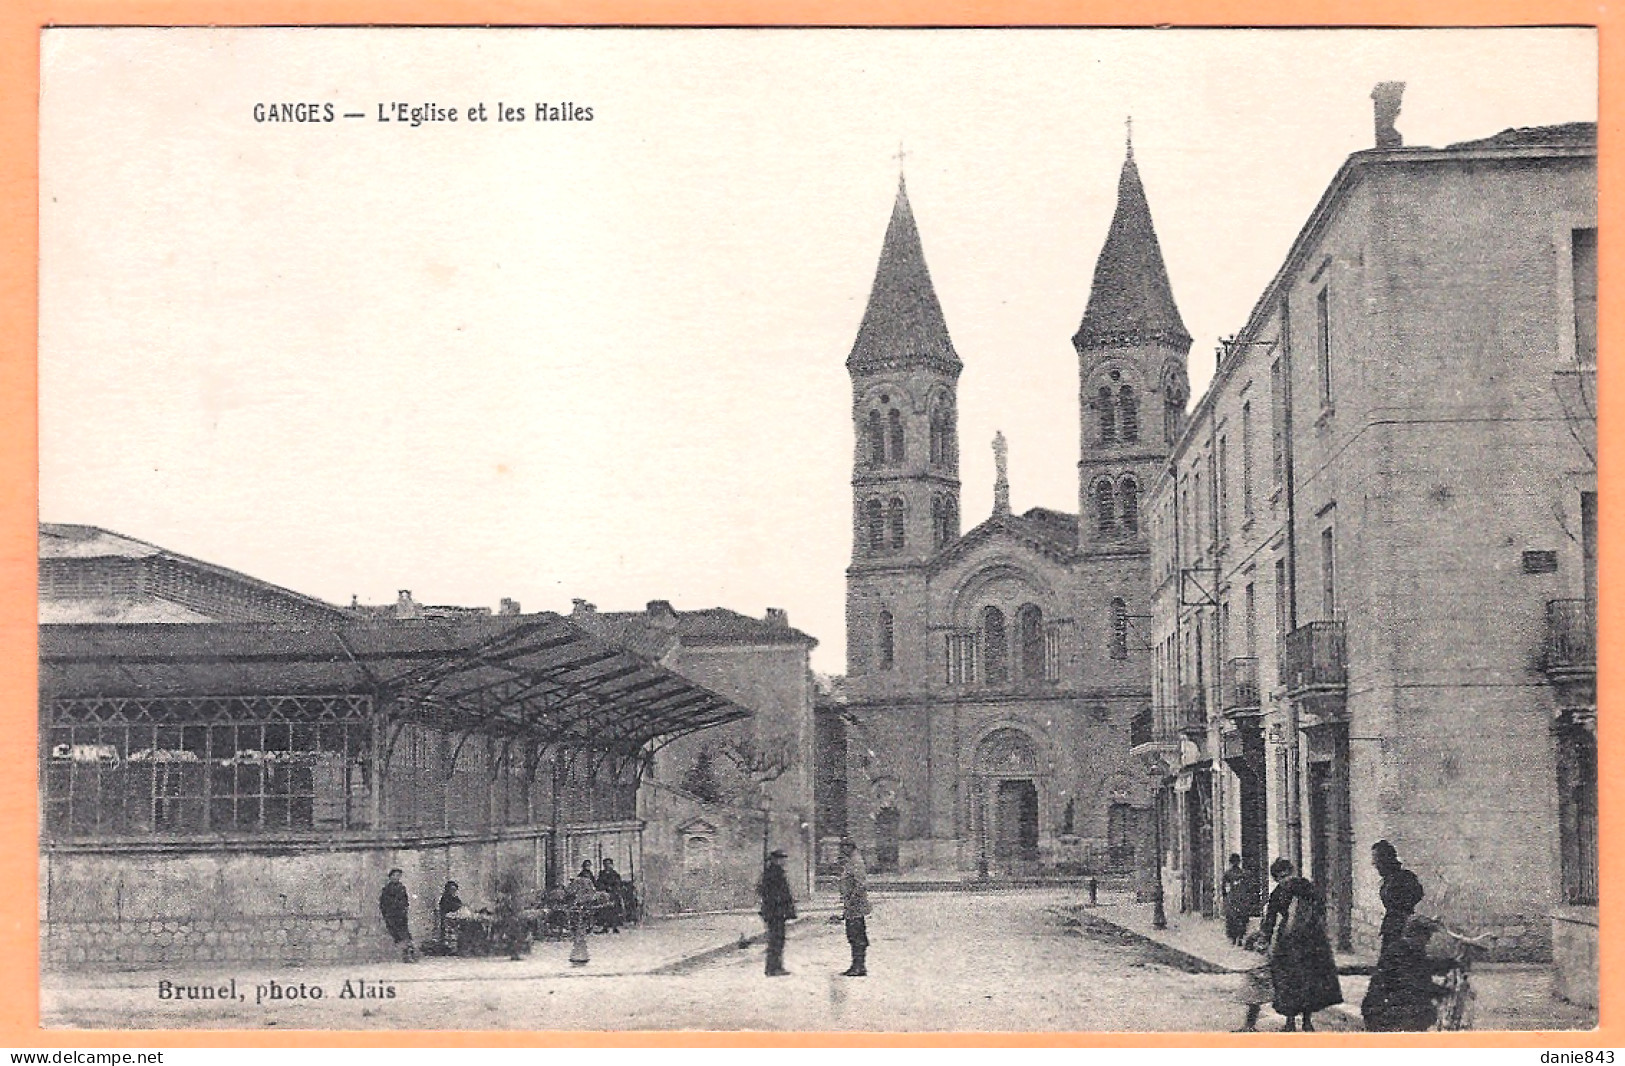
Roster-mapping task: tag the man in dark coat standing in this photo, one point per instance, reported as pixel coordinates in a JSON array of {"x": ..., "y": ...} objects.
[
  {"x": 855, "y": 908},
  {"x": 778, "y": 907},
  {"x": 395, "y": 905},
  {"x": 1401, "y": 891}
]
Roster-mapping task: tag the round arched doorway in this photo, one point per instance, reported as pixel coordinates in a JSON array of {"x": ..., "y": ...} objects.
[{"x": 1007, "y": 777}]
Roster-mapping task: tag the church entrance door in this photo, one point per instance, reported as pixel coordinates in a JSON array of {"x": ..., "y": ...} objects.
[
  {"x": 1015, "y": 825},
  {"x": 887, "y": 821}
]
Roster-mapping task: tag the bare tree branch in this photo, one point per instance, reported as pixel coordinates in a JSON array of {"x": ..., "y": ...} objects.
[{"x": 766, "y": 760}]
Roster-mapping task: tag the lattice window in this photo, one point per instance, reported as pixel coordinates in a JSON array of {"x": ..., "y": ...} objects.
[{"x": 134, "y": 767}]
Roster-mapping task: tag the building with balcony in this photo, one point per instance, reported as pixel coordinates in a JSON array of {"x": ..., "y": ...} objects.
[
  {"x": 1385, "y": 504},
  {"x": 986, "y": 720}
]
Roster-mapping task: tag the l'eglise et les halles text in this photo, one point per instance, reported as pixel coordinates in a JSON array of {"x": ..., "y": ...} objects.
[
  {"x": 418, "y": 114},
  {"x": 274, "y": 991}
]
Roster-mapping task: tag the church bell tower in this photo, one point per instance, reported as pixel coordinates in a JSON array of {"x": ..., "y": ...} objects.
[
  {"x": 1132, "y": 374},
  {"x": 905, "y": 465}
]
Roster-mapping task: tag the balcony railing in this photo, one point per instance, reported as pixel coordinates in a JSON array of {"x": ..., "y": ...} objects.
[
  {"x": 1240, "y": 685},
  {"x": 1571, "y": 637},
  {"x": 1142, "y": 728},
  {"x": 1192, "y": 706},
  {"x": 1314, "y": 658}
]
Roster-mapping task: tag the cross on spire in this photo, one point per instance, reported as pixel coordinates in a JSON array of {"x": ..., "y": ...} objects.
[
  {"x": 1128, "y": 126},
  {"x": 900, "y": 156}
]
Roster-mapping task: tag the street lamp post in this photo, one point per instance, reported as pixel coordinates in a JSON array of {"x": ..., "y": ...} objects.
[
  {"x": 767, "y": 818},
  {"x": 1159, "y": 917}
]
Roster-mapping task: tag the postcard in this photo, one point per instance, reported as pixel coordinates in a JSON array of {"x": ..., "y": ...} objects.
[{"x": 818, "y": 529}]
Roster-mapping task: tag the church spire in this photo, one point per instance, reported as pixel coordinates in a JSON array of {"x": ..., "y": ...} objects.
[
  {"x": 903, "y": 324},
  {"x": 1131, "y": 301}
]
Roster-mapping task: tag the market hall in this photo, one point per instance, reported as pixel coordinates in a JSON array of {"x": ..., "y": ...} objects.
[{"x": 239, "y": 791}]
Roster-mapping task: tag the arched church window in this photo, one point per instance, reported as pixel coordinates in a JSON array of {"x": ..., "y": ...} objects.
[
  {"x": 1173, "y": 414},
  {"x": 1106, "y": 412},
  {"x": 939, "y": 451},
  {"x": 874, "y": 520},
  {"x": 995, "y": 646},
  {"x": 894, "y": 437},
  {"x": 952, "y": 527},
  {"x": 1119, "y": 649},
  {"x": 1105, "y": 507},
  {"x": 1128, "y": 414},
  {"x": 939, "y": 521},
  {"x": 894, "y": 521},
  {"x": 1030, "y": 624},
  {"x": 876, "y": 432},
  {"x": 1128, "y": 504},
  {"x": 884, "y": 637}
]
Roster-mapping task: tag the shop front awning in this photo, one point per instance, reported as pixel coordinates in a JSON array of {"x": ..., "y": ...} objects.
[{"x": 537, "y": 676}]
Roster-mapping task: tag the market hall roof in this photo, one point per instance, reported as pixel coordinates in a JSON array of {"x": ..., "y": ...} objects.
[
  {"x": 903, "y": 323},
  {"x": 70, "y": 557},
  {"x": 526, "y": 675}
]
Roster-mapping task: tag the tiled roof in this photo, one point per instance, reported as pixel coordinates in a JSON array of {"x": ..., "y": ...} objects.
[
  {"x": 1569, "y": 133},
  {"x": 1131, "y": 301},
  {"x": 640, "y": 630},
  {"x": 1058, "y": 527},
  {"x": 903, "y": 322},
  {"x": 634, "y": 632},
  {"x": 1052, "y": 533}
]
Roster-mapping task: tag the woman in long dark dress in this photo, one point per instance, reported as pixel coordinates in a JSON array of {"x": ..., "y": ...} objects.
[{"x": 1301, "y": 964}]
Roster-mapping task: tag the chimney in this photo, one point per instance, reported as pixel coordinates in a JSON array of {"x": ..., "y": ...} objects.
[
  {"x": 662, "y": 615},
  {"x": 511, "y": 606},
  {"x": 1385, "y": 109},
  {"x": 405, "y": 606},
  {"x": 580, "y": 608},
  {"x": 779, "y": 617}
]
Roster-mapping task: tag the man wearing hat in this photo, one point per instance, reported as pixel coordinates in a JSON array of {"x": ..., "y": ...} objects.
[
  {"x": 778, "y": 907},
  {"x": 855, "y": 908}
]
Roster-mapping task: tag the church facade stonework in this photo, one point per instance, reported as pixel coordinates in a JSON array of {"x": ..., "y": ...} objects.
[{"x": 994, "y": 677}]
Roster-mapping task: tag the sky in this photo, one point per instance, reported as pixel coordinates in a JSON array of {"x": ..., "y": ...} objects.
[{"x": 606, "y": 359}]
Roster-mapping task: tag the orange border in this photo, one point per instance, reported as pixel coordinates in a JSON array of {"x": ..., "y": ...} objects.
[{"x": 20, "y": 23}]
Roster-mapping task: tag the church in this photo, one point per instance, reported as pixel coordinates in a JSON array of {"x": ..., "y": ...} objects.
[{"x": 994, "y": 677}]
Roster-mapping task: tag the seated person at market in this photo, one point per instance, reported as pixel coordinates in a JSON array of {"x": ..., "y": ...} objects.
[
  {"x": 1402, "y": 996},
  {"x": 452, "y": 912},
  {"x": 450, "y": 901}
]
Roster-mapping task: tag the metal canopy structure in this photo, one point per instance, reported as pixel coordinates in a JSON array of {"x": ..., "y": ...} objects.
[{"x": 535, "y": 678}]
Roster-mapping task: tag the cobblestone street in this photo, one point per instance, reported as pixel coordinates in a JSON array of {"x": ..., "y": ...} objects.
[{"x": 950, "y": 961}]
